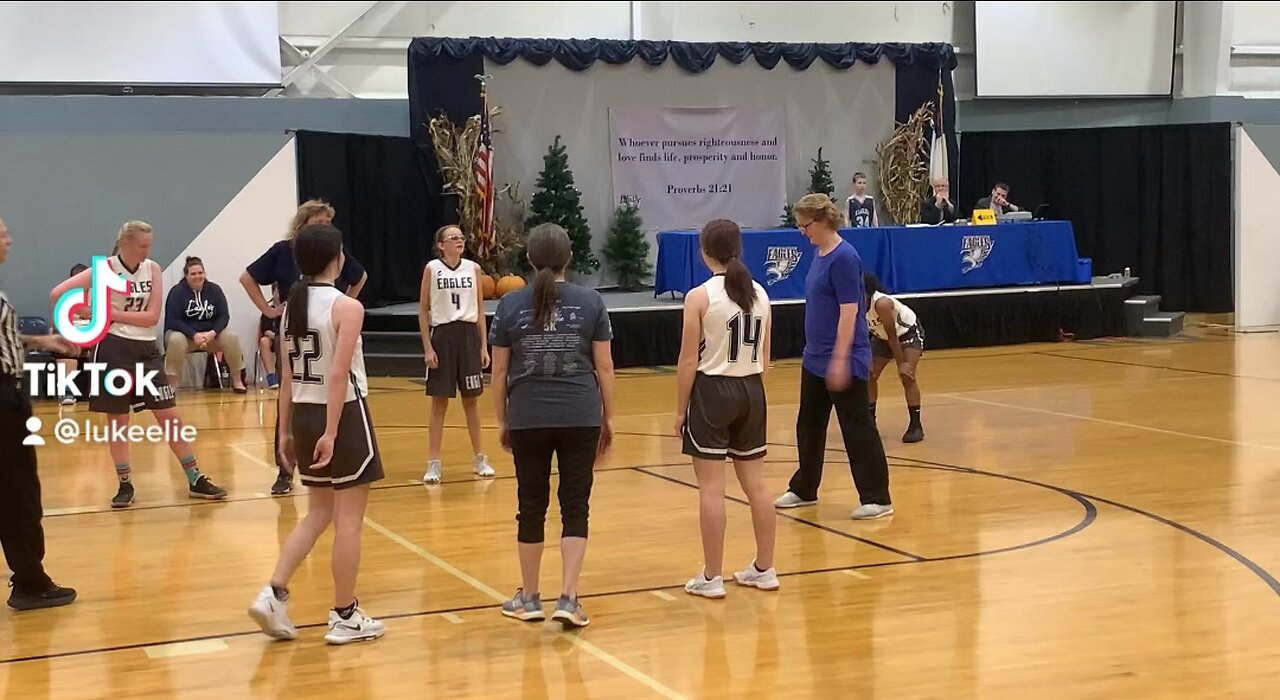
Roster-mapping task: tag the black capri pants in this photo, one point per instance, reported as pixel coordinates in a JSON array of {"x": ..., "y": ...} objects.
[{"x": 575, "y": 449}]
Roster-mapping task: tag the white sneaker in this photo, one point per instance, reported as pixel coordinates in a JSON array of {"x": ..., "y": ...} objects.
[
  {"x": 871, "y": 511},
  {"x": 433, "y": 472},
  {"x": 483, "y": 468},
  {"x": 359, "y": 628},
  {"x": 751, "y": 576},
  {"x": 705, "y": 587},
  {"x": 272, "y": 615},
  {"x": 790, "y": 500}
]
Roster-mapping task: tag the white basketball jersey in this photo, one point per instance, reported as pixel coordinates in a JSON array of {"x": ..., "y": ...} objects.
[
  {"x": 903, "y": 317},
  {"x": 141, "y": 286},
  {"x": 732, "y": 342},
  {"x": 453, "y": 292},
  {"x": 311, "y": 357}
]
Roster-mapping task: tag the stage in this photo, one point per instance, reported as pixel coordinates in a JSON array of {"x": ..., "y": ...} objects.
[{"x": 647, "y": 329}]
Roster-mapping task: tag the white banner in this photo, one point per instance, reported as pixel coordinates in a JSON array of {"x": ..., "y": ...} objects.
[{"x": 688, "y": 165}]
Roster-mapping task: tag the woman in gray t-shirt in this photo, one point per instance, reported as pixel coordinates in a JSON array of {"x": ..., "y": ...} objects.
[{"x": 553, "y": 391}]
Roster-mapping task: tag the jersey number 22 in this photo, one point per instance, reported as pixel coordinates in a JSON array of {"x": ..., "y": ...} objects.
[{"x": 306, "y": 349}]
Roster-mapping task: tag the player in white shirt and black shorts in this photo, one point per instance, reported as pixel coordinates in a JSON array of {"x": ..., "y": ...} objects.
[
  {"x": 903, "y": 347},
  {"x": 326, "y": 430},
  {"x": 130, "y": 343},
  {"x": 721, "y": 408},
  {"x": 454, "y": 340}
]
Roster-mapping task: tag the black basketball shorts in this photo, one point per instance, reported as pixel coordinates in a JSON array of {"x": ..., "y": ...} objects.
[
  {"x": 457, "y": 347},
  {"x": 727, "y": 417},
  {"x": 913, "y": 338},
  {"x": 125, "y": 354},
  {"x": 355, "y": 458}
]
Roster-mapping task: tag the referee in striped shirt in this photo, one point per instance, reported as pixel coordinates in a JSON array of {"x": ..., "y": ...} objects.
[{"x": 20, "y": 510}]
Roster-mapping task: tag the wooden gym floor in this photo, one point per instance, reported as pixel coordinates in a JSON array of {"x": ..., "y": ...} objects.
[{"x": 1087, "y": 520}]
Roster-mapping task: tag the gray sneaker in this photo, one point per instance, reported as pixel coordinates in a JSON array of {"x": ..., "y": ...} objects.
[
  {"x": 522, "y": 608},
  {"x": 569, "y": 613},
  {"x": 871, "y": 511}
]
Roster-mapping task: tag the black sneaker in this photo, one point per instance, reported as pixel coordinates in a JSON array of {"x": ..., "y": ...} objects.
[
  {"x": 283, "y": 485},
  {"x": 52, "y": 597},
  {"x": 914, "y": 433},
  {"x": 124, "y": 497},
  {"x": 203, "y": 488}
]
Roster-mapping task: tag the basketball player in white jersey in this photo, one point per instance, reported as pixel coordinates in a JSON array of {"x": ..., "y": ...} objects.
[
  {"x": 325, "y": 429},
  {"x": 721, "y": 409},
  {"x": 895, "y": 337},
  {"x": 451, "y": 320},
  {"x": 130, "y": 343}
]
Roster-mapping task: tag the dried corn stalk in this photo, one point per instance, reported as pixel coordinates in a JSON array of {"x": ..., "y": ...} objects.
[
  {"x": 904, "y": 169},
  {"x": 455, "y": 148},
  {"x": 510, "y": 212}
]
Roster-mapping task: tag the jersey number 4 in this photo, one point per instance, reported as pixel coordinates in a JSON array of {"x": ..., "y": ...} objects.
[
  {"x": 457, "y": 301},
  {"x": 306, "y": 349},
  {"x": 744, "y": 330}
]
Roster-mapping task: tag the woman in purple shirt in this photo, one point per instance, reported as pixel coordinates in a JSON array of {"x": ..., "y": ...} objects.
[{"x": 836, "y": 368}]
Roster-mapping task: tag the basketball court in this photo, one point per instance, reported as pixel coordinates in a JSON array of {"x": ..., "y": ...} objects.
[{"x": 1090, "y": 519}]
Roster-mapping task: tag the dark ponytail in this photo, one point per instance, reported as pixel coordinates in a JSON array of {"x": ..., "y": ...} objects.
[
  {"x": 314, "y": 249},
  {"x": 721, "y": 241},
  {"x": 549, "y": 253}
]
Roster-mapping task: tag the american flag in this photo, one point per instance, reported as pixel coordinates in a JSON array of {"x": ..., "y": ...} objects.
[{"x": 484, "y": 184}]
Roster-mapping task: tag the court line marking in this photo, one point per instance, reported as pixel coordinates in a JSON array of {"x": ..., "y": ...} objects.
[
  {"x": 856, "y": 574},
  {"x": 1120, "y": 424},
  {"x": 1249, "y": 564},
  {"x": 1167, "y": 368},
  {"x": 176, "y": 649},
  {"x": 617, "y": 664},
  {"x": 453, "y": 617},
  {"x": 664, "y": 595},
  {"x": 1089, "y": 516},
  {"x": 797, "y": 519},
  {"x": 295, "y": 494}
]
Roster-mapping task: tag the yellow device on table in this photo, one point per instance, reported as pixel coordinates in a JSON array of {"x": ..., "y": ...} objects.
[{"x": 983, "y": 217}]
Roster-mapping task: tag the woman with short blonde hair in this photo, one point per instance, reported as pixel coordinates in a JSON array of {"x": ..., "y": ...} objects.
[
  {"x": 836, "y": 368},
  {"x": 277, "y": 266}
]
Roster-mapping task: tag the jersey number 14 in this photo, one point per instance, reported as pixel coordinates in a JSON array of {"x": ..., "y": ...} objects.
[{"x": 744, "y": 330}]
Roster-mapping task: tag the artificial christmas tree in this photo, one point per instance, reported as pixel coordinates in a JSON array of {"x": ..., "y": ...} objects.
[
  {"x": 557, "y": 201},
  {"x": 819, "y": 182},
  {"x": 820, "y": 177},
  {"x": 626, "y": 251}
]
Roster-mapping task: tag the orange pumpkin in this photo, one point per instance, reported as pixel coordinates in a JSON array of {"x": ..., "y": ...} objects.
[
  {"x": 508, "y": 284},
  {"x": 488, "y": 286}
]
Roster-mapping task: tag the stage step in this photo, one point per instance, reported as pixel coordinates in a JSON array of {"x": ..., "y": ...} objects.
[
  {"x": 1163, "y": 324},
  {"x": 1144, "y": 319}
]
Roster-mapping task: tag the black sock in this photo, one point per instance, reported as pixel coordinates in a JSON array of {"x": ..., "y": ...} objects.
[
  {"x": 873, "y": 410},
  {"x": 757, "y": 568},
  {"x": 281, "y": 593},
  {"x": 914, "y": 412},
  {"x": 347, "y": 612}
]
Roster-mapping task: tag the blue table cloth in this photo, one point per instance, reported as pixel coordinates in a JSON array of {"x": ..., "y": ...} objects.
[{"x": 906, "y": 258}]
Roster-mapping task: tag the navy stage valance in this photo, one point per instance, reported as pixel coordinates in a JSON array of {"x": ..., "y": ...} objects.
[{"x": 581, "y": 54}]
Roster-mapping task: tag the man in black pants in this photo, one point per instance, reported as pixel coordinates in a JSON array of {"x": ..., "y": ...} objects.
[
  {"x": 20, "y": 510},
  {"x": 836, "y": 368}
]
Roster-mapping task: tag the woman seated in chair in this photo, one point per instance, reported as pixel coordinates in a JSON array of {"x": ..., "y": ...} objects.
[{"x": 196, "y": 317}]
